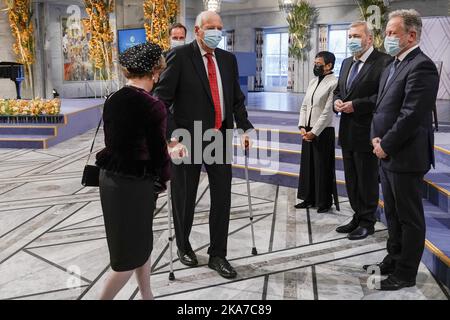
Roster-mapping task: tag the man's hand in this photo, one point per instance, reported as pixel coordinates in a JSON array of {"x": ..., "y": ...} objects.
[
  {"x": 377, "y": 149},
  {"x": 309, "y": 136},
  {"x": 347, "y": 107},
  {"x": 246, "y": 142},
  {"x": 376, "y": 141},
  {"x": 338, "y": 105}
]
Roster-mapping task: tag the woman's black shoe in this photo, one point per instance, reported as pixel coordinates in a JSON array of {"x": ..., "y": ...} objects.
[
  {"x": 304, "y": 205},
  {"x": 323, "y": 209}
]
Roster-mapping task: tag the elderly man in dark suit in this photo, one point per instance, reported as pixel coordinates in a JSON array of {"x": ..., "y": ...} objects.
[
  {"x": 355, "y": 97},
  {"x": 402, "y": 136},
  {"x": 200, "y": 84}
]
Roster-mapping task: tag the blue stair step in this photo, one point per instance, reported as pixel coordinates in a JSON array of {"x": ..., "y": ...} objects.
[
  {"x": 436, "y": 183},
  {"x": 24, "y": 141},
  {"x": 285, "y": 152},
  {"x": 437, "y": 189},
  {"x": 437, "y": 244},
  {"x": 291, "y": 135},
  {"x": 29, "y": 129},
  {"x": 442, "y": 153},
  {"x": 283, "y": 174}
]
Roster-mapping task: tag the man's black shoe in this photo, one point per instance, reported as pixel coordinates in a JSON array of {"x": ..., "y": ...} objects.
[
  {"x": 393, "y": 284},
  {"x": 384, "y": 268},
  {"x": 222, "y": 266},
  {"x": 360, "y": 233},
  {"x": 349, "y": 227},
  {"x": 188, "y": 258}
]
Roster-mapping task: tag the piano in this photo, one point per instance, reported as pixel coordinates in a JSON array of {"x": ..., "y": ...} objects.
[{"x": 13, "y": 71}]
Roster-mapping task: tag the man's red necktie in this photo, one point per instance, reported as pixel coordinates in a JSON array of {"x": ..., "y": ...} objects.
[{"x": 212, "y": 76}]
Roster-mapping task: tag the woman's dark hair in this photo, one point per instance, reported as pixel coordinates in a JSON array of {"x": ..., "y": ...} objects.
[{"x": 328, "y": 57}]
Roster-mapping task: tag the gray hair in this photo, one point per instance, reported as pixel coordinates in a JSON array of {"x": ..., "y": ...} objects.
[
  {"x": 411, "y": 20},
  {"x": 202, "y": 17},
  {"x": 367, "y": 26}
]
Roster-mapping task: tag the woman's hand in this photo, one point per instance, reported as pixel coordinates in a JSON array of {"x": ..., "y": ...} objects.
[
  {"x": 309, "y": 136},
  {"x": 302, "y": 131},
  {"x": 177, "y": 150}
]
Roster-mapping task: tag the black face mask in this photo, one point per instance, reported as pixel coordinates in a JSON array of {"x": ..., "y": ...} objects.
[{"x": 318, "y": 70}]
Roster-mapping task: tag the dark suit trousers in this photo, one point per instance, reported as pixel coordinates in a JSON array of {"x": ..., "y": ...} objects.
[
  {"x": 317, "y": 167},
  {"x": 403, "y": 207},
  {"x": 361, "y": 180},
  {"x": 184, "y": 185}
]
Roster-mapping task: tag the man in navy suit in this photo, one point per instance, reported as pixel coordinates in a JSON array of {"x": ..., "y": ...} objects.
[
  {"x": 402, "y": 136},
  {"x": 355, "y": 97}
]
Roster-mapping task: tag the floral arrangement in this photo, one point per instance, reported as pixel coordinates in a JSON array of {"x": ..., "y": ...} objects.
[
  {"x": 158, "y": 16},
  {"x": 368, "y": 15},
  {"x": 33, "y": 107},
  {"x": 21, "y": 24},
  {"x": 301, "y": 19},
  {"x": 102, "y": 38}
]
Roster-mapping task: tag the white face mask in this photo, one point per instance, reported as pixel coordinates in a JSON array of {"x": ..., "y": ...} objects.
[{"x": 176, "y": 43}]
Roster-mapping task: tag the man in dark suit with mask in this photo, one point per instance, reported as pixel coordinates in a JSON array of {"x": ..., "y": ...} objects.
[
  {"x": 403, "y": 140},
  {"x": 355, "y": 97},
  {"x": 200, "y": 84}
]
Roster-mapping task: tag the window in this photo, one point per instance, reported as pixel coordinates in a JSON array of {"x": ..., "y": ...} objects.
[
  {"x": 223, "y": 43},
  {"x": 276, "y": 47},
  {"x": 337, "y": 44}
]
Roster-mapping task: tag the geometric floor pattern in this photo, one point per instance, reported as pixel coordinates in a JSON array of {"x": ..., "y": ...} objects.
[{"x": 53, "y": 246}]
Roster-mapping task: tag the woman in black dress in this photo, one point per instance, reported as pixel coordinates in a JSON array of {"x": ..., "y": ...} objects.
[
  {"x": 134, "y": 158},
  {"x": 315, "y": 186}
]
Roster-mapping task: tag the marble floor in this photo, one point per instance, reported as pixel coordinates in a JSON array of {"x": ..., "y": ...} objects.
[{"x": 53, "y": 246}]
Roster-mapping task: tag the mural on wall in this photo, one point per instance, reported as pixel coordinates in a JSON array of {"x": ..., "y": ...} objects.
[
  {"x": 88, "y": 44},
  {"x": 75, "y": 49}
]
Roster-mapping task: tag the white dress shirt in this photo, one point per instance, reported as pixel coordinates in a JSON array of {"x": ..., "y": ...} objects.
[
  {"x": 404, "y": 54},
  {"x": 219, "y": 78},
  {"x": 363, "y": 60}
]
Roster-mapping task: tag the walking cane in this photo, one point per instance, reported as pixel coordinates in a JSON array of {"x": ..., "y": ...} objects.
[
  {"x": 335, "y": 193},
  {"x": 254, "y": 252},
  {"x": 169, "y": 227}
]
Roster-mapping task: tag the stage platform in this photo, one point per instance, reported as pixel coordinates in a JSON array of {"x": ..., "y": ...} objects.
[{"x": 77, "y": 117}]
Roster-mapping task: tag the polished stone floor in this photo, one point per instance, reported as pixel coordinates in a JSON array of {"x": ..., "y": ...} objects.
[{"x": 53, "y": 246}]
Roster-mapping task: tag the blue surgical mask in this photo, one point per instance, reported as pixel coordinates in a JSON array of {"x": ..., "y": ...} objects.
[
  {"x": 212, "y": 38},
  {"x": 176, "y": 43},
  {"x": 354, "y": 45},
  {"x": 392, "y": 46}
]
